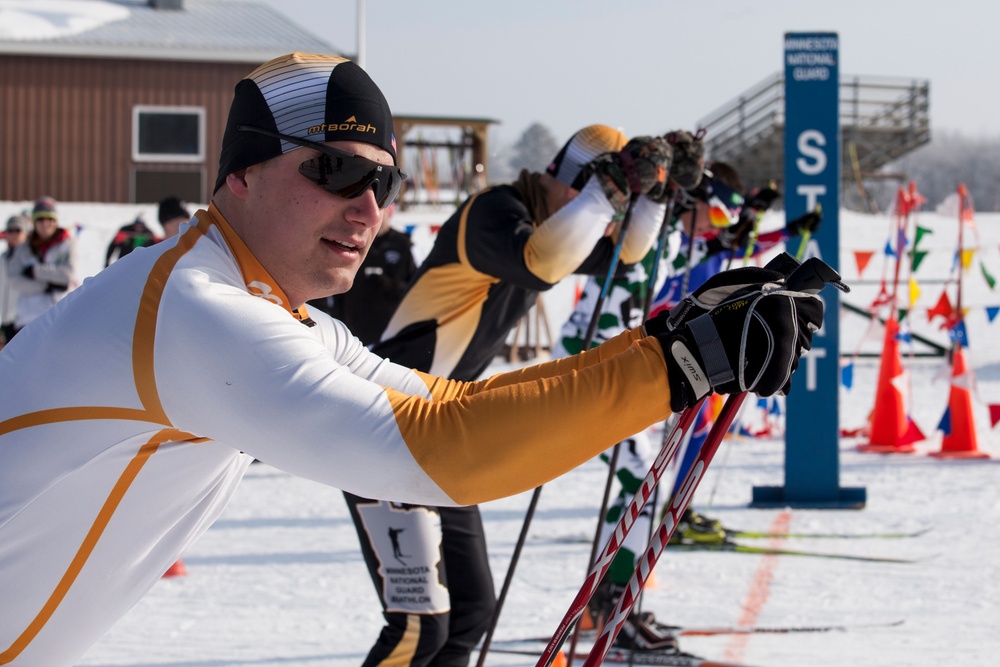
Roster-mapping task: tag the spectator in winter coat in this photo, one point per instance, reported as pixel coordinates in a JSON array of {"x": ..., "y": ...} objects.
[
  {"x": 18, "y": 227},
  {"x": 44, "y": 266},
  {"x": 135, "y": 234},
  {"x": 141, "y": 398}
]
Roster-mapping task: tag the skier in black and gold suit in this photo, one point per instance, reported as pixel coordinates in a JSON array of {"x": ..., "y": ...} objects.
[{"x": 490, "y": 260}]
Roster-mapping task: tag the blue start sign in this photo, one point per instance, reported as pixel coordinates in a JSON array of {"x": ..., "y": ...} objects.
[{"x": 812, "y": 180}]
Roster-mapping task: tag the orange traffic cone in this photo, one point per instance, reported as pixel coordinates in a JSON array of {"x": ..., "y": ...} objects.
[
  {"x": 559, "y": 660},
  {"x": 959, "y": 440},
  {"x": 176, "y": 570},
  {"x": 892, "y": 431}
]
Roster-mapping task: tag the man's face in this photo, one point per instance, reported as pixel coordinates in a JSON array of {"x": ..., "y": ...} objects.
[{"x": 310, "y": 241}]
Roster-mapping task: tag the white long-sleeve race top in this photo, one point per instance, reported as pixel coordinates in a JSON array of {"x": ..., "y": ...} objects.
[{"x": 131, "y": 409}]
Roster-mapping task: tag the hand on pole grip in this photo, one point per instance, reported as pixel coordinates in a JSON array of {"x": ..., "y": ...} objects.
[{"x": 743, "y": 330}]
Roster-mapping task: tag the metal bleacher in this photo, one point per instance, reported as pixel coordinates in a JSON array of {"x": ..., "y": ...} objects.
[{"x": 881, "y": 120}]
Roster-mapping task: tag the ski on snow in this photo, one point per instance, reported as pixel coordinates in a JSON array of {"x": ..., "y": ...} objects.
[
  {"x": 751, "y": 534},
  {"x": 735, "y": 547},
  {"x": 761, "y": 535},
  {"x": 625, "y": 656},
  {"x": 709, "y": 631}
]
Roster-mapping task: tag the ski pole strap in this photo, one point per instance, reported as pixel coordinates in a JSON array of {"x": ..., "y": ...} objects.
[{"x": 713, "y": 354}]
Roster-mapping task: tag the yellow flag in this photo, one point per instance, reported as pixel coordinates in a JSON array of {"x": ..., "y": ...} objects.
[
  {"x": 967, "y": 255},
  {"x": 914, "y": 292}
]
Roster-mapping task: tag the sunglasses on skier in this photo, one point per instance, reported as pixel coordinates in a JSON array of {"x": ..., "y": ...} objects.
[{"x": 341, "y": 173}]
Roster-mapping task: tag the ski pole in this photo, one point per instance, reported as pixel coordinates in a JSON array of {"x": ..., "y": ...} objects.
[
  {"x": 654, "y": 271},
  {"x": 665, "y": 229},
  {"x": 601, "y": 564},
  {"x": 663, "y": 533},
  {"x": 530, "y": 513},
  {"x": 810, "y": 276}
]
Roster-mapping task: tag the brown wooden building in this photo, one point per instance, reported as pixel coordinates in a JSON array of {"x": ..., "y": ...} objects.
[
  {"x": 132, "y": 108},
  {"x": 130, "y": 105}
]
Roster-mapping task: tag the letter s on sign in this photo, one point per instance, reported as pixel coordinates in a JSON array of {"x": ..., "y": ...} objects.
[{"x": 809, "y": 142}]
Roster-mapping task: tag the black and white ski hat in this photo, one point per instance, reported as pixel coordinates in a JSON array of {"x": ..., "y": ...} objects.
[
  {"x": 309, "y": 96},
  {"x": 582, "y": 147}
]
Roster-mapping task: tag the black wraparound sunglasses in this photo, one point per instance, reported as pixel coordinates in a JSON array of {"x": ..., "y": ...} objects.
[{"x": 342, "y": 173}]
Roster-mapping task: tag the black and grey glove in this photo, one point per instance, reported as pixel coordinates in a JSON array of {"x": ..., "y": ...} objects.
[
  {"x": 761, "y": 199},
  {"x": 743, "y": 330},
  {"x": 642, "y": 166},
  {"x": 689, "y": 158},
  {"x": 806, "y": 222}
]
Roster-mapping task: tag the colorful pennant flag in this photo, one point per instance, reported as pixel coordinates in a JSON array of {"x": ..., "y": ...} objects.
[
  {"x": 959, "y": 334},
  {"x": 967, "y": 254},
  {"x": 861, "y": 258},
  {"x": 945, "y": 424},
  {"x": 920, "y": 234},
  {"x": 916, "y": 257},
  {"x": 942, "y": 308},
  {"x": 847, "y": 376},
  {"x": 990, "y": 280},
  {"x": 914, "y": 292},
  {"x": 994, "y": 414},
  {"x": 913, "y": 433}
]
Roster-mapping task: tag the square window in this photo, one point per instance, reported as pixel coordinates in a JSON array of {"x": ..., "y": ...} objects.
[{"x": 168, "y": 134}]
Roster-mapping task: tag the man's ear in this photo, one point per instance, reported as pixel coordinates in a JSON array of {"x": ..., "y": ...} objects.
[{"x": 237, "y": 183}]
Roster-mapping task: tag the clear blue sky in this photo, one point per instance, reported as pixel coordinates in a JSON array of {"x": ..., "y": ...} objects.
[{"x": 649, "y": 66}]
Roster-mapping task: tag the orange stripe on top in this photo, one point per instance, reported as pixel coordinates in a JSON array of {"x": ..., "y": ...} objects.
[
  {"x": 90, "y": 541},
  {"x": 56, "y": 415},
  {"x": 144, "y": 335},
  {"x": 145, "y": 381},
  {"x": 463, "y": 223}
]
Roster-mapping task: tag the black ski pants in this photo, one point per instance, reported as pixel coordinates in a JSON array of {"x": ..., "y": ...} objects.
[{"x": 431, "y": 571}]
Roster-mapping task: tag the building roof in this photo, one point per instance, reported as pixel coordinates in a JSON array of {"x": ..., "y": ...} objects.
[{"x": 204, "y": 30}]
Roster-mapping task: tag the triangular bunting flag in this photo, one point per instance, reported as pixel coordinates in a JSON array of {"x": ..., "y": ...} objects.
[
  {"x": 959, "y": 334},
  {"x": 994, "y": 414},
  {"x": 990, "y": 280},
  {"x": 945, "y": 424},
  {"x": 775, "y": 408},
  {"x": 920, "y": 234},
  {"x": 888, "y": 249},
  {"x": 861, "y": 258},
  {"x": 942, "y": 308},
  {"x": 967, "y": 255},
  {"x": 991, "y": 312},
  {"x": 916, "y": 257},
  {"x": 913, "y": 434},
  {"x": 914, "y": 292},
  {"x": 847, "y": 376}
]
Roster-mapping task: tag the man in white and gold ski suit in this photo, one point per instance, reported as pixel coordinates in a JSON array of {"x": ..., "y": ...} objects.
[{"x": 130, "y": 410}]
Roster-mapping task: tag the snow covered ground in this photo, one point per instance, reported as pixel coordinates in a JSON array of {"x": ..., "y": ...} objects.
[{"x": 279, "y": 580}]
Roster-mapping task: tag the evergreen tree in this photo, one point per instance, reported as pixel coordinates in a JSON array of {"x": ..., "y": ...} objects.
[{"x": 534, "y": 150}]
